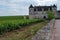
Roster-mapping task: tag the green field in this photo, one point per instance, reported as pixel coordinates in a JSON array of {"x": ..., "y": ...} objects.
[{"x": 9, "y": 23}]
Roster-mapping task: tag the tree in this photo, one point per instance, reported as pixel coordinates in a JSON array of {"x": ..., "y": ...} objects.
[{"x": 50, "y": 15}]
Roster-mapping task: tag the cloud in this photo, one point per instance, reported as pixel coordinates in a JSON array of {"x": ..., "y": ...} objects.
[
  {"x": 44, "y": 2},
  {"x": 20, "y": 7}
]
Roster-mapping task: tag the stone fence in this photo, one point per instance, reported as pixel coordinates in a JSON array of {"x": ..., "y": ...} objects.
[{"x": 46, "y": 32}]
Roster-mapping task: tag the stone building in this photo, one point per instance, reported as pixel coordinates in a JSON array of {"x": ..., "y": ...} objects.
[
  {"x": 40, "y": 11},
  {"x": 58, "y": 14}
]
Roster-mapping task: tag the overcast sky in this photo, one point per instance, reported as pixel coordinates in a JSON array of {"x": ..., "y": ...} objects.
[
  {"x": 20, "y": 7},
  {"x": 58, "y": 4}
]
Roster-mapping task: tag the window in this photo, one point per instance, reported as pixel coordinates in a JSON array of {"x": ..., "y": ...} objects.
[
  {"x": 34, "y": 9},
  {"x": 39, "y": 9}
]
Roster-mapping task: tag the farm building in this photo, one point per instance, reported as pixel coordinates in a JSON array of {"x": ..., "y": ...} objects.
[{"x": 40, "y": 11}]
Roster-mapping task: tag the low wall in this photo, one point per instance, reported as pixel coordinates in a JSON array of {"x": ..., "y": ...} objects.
[{"x": 46, "y": 32}]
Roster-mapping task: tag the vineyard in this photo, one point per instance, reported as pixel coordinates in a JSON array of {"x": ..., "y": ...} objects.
[{"x": 15, "y": 22}]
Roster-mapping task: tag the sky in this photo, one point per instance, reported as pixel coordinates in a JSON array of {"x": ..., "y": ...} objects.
[
  {"x": 58, "y": 4},
  {"x": 21, "y": 7}
]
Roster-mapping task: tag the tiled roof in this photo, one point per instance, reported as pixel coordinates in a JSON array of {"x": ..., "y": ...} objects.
[
  {"x": 39, "y": 8},
  {"x": 31, "y": 6},
  {"x": 44, "y": 7}
]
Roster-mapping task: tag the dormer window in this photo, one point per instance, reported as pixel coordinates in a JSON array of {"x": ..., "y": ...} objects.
[{"x": 34, "y": 9}]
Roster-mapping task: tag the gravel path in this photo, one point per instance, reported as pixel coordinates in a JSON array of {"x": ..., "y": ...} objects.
[{"x": 56, "y": 31}]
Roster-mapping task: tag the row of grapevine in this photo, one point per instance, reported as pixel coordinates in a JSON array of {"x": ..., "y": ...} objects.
[{"x": 6, "y": 26}]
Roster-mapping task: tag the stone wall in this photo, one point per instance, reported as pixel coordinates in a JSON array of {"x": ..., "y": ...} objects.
[
  {"x": 38, "y": 14},
  {"x": 58, "y": 15},
  {"x": 46, "y": 32}
]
